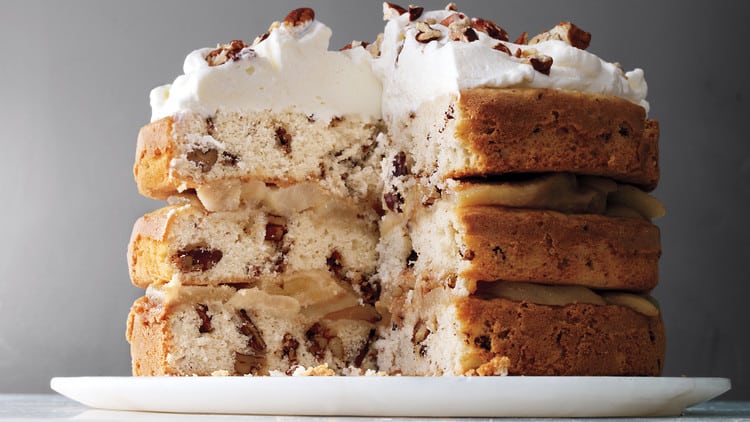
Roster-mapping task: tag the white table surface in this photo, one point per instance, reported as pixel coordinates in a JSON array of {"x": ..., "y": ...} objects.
[{"x": 46, "y": 407}]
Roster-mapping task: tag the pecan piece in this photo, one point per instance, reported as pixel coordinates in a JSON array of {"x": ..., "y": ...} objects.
[
  {"x": 284, "y": 139},
  {"x": 275, "y": 228},
  {"x": 392, "y": 11},
  {"x": 232, "y": 51},
  {"x": 229, "y": 159},
  {"x": 204, "y": 159},
  {"x": 370, "y": 291},
  {"x": 197, "y": 258},
  {"x": 299, "y": 17},
  {"x": 289, "y": 346},
  {"x": 202, "y": 311},
  {"x": 399, "y": 165},
  {"x": 419, "y": 335},
  {"x": 393, "y": 200},
  {"x": 567, "y": 32},
  {"x": 335, "y": 265},
  {"x": 490, "y": 28},
  {"x": 317, "y": 340},
  {"x": 254, "y": 336},
  {"x": 248, "y": 363},
  {"x": 412, "y": 258},
  {"x": 415, "y": 12},
  {"x": 450, "y": 18},
  {"x": 253, "y": 362},
  {"x": 522, "y": 39},
  {"x": 502, "y": 47},
  {"x": 354, "y": 44},
  {"x": 541, "y": 63},
  {"x": 425, "y": 33}
]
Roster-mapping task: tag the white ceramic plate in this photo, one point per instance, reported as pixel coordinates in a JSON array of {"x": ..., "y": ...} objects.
[{"x": 397, "y": 396}]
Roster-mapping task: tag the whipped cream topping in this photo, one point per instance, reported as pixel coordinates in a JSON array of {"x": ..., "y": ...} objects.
[
  {"x": 413, "y": 72},
  {"x": 291, "y": 69}
]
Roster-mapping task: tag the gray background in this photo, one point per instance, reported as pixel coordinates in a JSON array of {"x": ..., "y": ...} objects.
[{"x": 74, "y": 83}]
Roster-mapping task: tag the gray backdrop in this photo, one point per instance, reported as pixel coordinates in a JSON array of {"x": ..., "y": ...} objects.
[{"x": 74, "y": 83}]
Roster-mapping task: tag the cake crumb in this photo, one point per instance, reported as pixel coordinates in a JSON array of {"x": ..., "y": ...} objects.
[{"x": 498, "y": 366}]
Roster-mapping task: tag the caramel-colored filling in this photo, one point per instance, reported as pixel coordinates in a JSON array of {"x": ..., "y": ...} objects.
[
  {"x": 563, "y": 192},
  {"x": 313, "y": 294},
  {"x": 541, "y": 294}
]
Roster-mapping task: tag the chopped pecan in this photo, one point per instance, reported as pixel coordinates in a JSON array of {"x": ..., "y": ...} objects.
[
  {"x": 229, "y": 159},
  {"x": 234, "y": 50},
  {"x": 248, "y": 363},
  {"x": 299, "y": 17},
  {"x": 419, "y": 335},
  {"x": 289, "y": 346},
  {"x": 415, "y": 12},
  {"x": 425, "y": 33},
  {"x": 284, "y": 139},
  {"x": 354, "y": 44},
  {"x": 412, "y": 258},
  {"x": 370, "y": 291},
  {"x": 204, "y": 159},
  {"x": 393, "y": 200},
  {"x": 275, "y": 228},
  {"x": 458, "y": 18},
  {"x": 399, "y": 165},
  {"x": 522, "y": 39},
  {"x": 502, "y": 47},
  {"x": 318, "y": 337},
  {"x": 392, "y": 11},
  {"x": 202, "y": 311},
  {"x": 490, "y": 28},
  {"x": 335, "y": 265},
  {"x": 541, "y": 63},
  {"x": 254, "y": 336},
  {"x": 210, "y": 127},
  {"x": 196, "y": 258},
  {"x": 567, "y": 32}
]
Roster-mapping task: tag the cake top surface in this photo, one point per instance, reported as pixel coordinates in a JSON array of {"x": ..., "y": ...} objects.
[
  {"x": 287, "y": 68},
  {"x": 427, "y": 54}
]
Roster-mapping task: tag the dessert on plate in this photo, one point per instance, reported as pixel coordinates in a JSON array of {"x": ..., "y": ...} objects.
[
  {"x": 264, "y": 259},
  {"x": 517, "y": 235},
  {"x": 443, "y": 201}
]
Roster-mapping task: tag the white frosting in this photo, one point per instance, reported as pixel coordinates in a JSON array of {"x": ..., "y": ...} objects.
[
  {"x": 413, "y": 72},
  {"x": 292, "y": 69}
]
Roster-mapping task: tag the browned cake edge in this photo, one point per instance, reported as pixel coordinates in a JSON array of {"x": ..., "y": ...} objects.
[
  {"x": 576, "y": 339},
  {"x": 544, "y": 130},
  {"x": 149, "y": 337},
  {"x": 147, "y": 260},
  {"x": 154, "y": 153},
  {"x": 550, "y": 247}
]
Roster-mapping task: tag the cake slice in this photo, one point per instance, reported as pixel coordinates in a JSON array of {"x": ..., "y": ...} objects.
[
  {"x": 464, "y": 101},
  {"x": 517, "y": 235},
  {"x": 225, "y": 330},
  {"x": 279, "y": 110},
  {"x": 522, "y": 329},
  {"x": 554, "y": 229},
  {"x": 277, "y": 234}
]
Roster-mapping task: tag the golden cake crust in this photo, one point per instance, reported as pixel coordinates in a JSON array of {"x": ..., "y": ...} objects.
[
  {"x": 576, "y": 339},
  {"x": 153, "y": 154},
  {"x": 555, "y": 248},
  {"x": 545, "y": 130},
  {"x": 148, "y": 336}
]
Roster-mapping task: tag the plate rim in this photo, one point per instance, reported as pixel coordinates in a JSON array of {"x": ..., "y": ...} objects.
[{"x": 672, "y": 394}]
